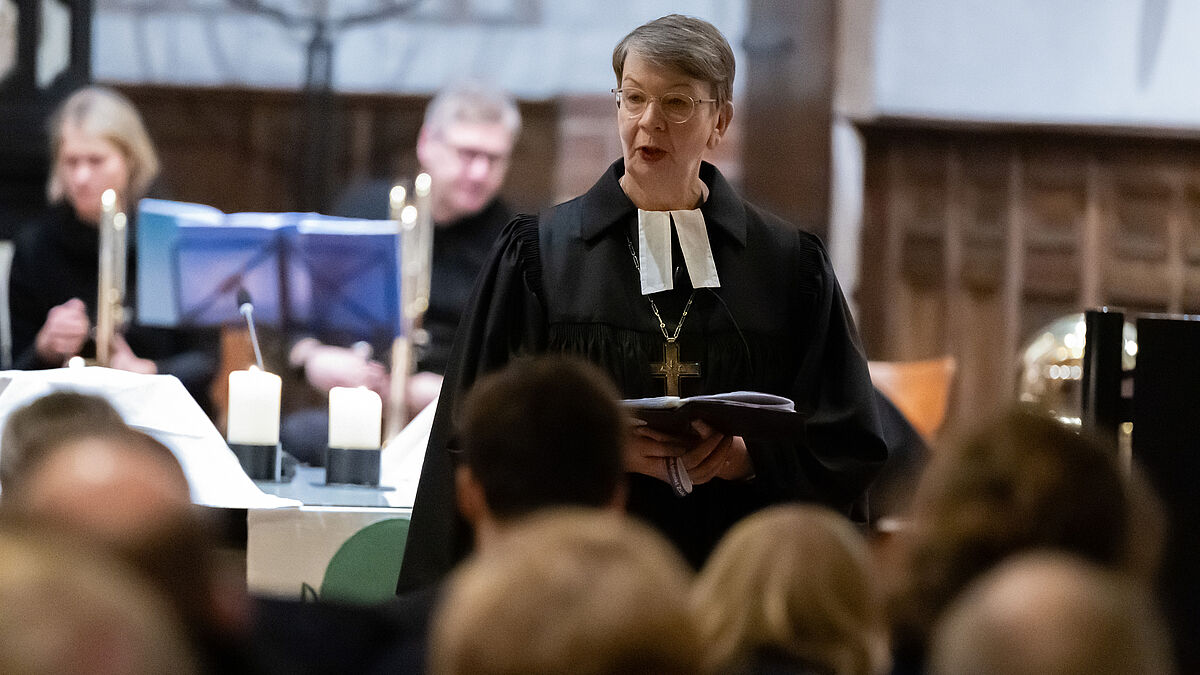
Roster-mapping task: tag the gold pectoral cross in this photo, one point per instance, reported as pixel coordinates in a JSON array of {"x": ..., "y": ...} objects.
[{"x": 672, "y": 369}]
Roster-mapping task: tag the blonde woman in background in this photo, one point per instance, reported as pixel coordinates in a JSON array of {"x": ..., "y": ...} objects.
[
  {"x": 97, "y": 142},
  {"x": 789, "y": 590}
]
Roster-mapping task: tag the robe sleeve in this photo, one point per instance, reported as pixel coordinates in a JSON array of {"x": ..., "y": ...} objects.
[
  {"x": 844, "y": 448},
  {"x": 506, "y": 318}
]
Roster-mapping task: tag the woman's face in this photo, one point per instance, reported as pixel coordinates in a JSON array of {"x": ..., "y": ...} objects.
[
  {"x": 87, "y": 166},
  {"x": 662, "y": 156}
]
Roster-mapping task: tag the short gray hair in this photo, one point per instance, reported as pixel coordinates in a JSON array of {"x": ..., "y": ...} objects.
[
  {"x": 686, "y": 43},
  {"x": 473, "y": 103},
  {"x": 104, "y": 113}
]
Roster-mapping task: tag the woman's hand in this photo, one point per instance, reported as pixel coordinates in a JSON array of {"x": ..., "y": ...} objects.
[
  {"x": 64, "y": 333},
  {"x": 123, "y": 358},
  {"x": 711, "y": 455},
  {"x": 647, "y": 450},
  {"x": 717, "y": 456}
]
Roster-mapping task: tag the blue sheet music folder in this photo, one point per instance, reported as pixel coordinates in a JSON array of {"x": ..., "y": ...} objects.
[{"x": 303, "y": 270}]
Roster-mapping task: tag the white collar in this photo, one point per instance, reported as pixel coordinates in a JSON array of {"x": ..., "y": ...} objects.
[{"x": 654, "y": 249}]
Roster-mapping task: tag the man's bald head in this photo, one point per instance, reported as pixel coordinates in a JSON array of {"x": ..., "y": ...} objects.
[
  {"x": 126, "y": 492},
  {"x": 48, "y": 422},
  {"x": 118, "y": 487},
  {"x": 1051, "y": 613}
]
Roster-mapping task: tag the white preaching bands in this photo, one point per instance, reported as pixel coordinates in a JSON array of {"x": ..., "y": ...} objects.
[
  {"x": 654, "y": 249},
  {"x": 655, "y": 270}
]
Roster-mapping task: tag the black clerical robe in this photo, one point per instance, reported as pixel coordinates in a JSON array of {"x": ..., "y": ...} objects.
[{"x": 565, "y": 282}]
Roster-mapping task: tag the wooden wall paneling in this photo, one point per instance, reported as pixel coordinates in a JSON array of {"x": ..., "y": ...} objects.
[
  {"x": 532, "y": 175},
  {"x": 272, "y": 133},
  {"x": 978, "y": 289},
  {"x": 380, "y": 138},
  {"x": 1141, "y": 250},
  {"x": 270, "y": 172},
  {"x": 976, "y": 321},
  {"x": 1142, "y": 202},
  {"x": 587, "y": 142},
  {"x": 1176, "y": 260},
  {"x": 985, "y": 195},
  {"x": 898, "y": 212},
  {"x": 979, "y": 389},
  {"x": 1093, "y": 240},
  {"x": 1059, "y": 194},
  {"x": 913, "y": 234},
  {"x": 873, "y": 292},
  {"x": 957, "y": 300},
  {"x": 1191, "y": 241},
  {"x": 989, "y": 235},
  {"x": 360, "y": 131},
  {"x": 231, "y": 149},
  {"x": 1014, "y": 279},
  {"x": 1055, "y": 196},
  {"x": 925, "y": 332},
  {"x": 923, "y": 251},
  {"x": 1142, "y": 271},
  {"x": 956, "y": 218}
]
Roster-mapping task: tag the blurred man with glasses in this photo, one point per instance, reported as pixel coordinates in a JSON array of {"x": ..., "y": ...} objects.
[{"x": 464, "y": 145}]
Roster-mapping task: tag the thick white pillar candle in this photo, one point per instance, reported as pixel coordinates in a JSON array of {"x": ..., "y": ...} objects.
[
  {"x": 355, "y": 418},
  {"x": 253, "y": 407}
]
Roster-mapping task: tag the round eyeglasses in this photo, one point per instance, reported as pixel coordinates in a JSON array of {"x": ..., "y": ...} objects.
[{"x": 677, "y": 108}]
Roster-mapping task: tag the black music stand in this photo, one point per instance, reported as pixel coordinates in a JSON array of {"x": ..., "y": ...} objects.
[
  {"x": 347, "y": 286},
  {"x": 304, "y": 271}
]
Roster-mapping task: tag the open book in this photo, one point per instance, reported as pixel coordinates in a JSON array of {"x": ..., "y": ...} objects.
[{"x": 749, "y": 414}]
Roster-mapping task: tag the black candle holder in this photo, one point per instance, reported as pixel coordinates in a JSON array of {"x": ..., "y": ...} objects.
[
  {"x": 345, "y": 466},
  {"x": 260, "y": 462}
]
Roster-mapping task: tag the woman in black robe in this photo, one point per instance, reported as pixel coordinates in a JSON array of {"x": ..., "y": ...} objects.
[{"x": 743, "y": 299}]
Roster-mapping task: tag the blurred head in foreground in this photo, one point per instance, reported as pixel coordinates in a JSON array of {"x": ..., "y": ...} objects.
[
  {"x": 47, "y": 422},
  {"x": 542, "y": 432},
  {"x": 70, "y": 610},
  {"x": 792, "y": 584},
  {"x": 580, "y": 591},
  {"x": 122, "y": 490},
  {"x": 1051, "y": 613},
  {"x": 1021, "y": 483}
]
